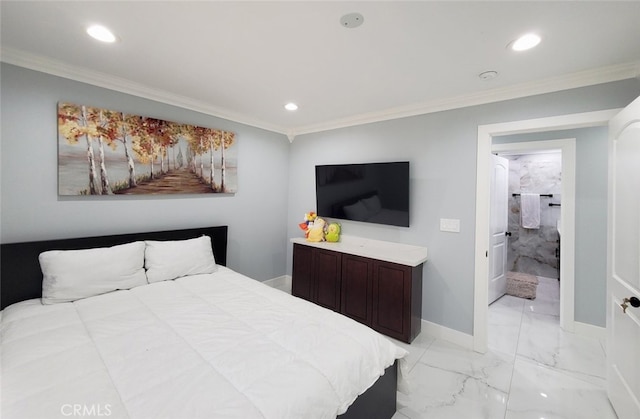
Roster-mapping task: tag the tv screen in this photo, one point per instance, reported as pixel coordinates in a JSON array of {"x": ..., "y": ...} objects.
[{"x": 368, "y": 192}]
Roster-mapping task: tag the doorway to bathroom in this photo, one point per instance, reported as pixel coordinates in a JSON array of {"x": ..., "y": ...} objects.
[
  {"x": 526, "y": 192},
  {"x": 595, "y": 123},
  {"x": 542, "y": 177},
  {"x": 534, "y": 199}
]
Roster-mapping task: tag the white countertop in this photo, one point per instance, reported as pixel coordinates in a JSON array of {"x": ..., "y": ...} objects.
[{"x": 403, "y": 254}]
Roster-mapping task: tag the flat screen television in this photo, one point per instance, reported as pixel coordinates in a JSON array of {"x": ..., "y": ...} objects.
[{"x": 368, "y": 192}]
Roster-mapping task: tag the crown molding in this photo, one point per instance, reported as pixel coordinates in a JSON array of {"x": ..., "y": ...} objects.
[
  {"x": 108, "y": 81},
  {"x": 548, "y": 85}
]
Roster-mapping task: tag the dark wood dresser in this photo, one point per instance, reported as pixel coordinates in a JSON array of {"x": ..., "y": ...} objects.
[{"x": 376, "y": 283}]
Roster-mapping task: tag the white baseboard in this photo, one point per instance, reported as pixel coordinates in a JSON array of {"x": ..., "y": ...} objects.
[
  {"x": 283, "y": 281},
  {"x": 589, "y": 330},
  {"x": 445, "y": 333}
]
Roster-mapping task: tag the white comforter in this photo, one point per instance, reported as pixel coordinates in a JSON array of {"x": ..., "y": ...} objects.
[{"x": 206, "y": 346}]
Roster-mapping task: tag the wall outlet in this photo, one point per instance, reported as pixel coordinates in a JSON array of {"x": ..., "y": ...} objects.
[{"x": 451, "y": 225}]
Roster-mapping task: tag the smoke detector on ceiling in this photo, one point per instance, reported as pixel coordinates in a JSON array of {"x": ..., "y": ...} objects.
[
  {"x": 352, "y": 20},
  {"x": 488, "y": 75}
]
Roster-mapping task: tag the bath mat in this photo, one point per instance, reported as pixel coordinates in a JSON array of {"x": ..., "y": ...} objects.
[{"x": 522, "y": 285}]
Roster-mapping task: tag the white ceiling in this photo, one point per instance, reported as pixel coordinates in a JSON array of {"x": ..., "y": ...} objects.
[{"x": 244, "y": 60}]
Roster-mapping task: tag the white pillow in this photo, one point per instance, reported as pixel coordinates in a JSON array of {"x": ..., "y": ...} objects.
[
  {"x": 172, "y": 259},
  {"x": 68, "y": 275},
  {"x": 357, "y": 211}
]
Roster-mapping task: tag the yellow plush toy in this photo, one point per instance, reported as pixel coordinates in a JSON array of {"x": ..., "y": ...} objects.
[{"x": 316, "y": 230}]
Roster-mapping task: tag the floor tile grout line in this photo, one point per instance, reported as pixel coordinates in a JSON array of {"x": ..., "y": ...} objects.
[
  {"x": 515, "y": 357},
  {"x": 576, "y": 375}
]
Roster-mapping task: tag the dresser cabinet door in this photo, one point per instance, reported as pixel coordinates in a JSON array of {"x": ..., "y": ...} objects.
[
  {"x": 327, "y": 267},
  {"x": 302, "y": 273},
  {"x": 392, "y": 299},
  {"x": 383, "y": 295},
  {"x": 357, "y": 287}
]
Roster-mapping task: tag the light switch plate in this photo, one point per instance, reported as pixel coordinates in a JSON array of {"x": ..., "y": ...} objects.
[{"x": 451, "y": 225}]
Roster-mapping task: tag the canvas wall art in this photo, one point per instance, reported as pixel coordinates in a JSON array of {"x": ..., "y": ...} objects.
[{"x": 107, "y": 152}]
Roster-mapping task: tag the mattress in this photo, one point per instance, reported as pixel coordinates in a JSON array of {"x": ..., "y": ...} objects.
[{"x": 218, "y": 345}]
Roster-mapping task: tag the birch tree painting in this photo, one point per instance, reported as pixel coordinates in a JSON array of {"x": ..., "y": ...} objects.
[{"x": 106, "y": 152}]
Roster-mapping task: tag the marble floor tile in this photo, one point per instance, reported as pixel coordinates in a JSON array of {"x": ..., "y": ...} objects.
[
  {"x": 547, "y": 299},
  {"x": 548, "y": 289},
  {"x": 284, "y": 287},
  {"x": 538, "y": 391},
  {"x": 505, "y": 317},
  {"x": 444, "y": 394},
  {"x": 509, "y": 301},
  {"x": 532, "y": 370},
  {"x": 542, "y": 340},
  {"x": 540, "y": 306},
  {"x": 492, "y": 368}
]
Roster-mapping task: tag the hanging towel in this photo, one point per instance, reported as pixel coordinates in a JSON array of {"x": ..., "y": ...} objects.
[{"x": 530, "y": 210}]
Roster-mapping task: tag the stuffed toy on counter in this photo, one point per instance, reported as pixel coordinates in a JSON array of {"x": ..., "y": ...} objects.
[
  {"x": 333, "y": 233},
  {"x": 309, "y": 218},
  {"x": 317, "y": 230}
]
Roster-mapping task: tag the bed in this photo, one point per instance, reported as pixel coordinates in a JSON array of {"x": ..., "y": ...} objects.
[{"x": 210, "y": 343}]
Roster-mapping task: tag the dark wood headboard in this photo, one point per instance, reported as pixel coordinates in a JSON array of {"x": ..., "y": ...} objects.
[{"x": 21, "y": 277}]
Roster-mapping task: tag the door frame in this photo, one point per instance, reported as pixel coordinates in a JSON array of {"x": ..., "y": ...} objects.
[
  {"x": 567, "y": 215},
  {"x": 483, "y": 184}
]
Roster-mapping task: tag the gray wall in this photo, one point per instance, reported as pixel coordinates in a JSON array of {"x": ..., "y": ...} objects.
[
  {"x": 442, "y": 150},
  {"x": 591, "y": 217},
  {"x": 32, "y": 210},
  {"x": 276, "y": 181}
]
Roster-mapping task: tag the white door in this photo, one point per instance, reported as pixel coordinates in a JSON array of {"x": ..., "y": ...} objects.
[
  {"x": 623, "y": 263},
  {"x": 498, "y": 228}
]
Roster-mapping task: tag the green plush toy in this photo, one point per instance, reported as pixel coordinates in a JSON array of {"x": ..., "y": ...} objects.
[{"x": 333, "y": 232}]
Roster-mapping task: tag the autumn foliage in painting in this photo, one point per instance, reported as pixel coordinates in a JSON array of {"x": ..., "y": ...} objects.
[{"x": 113, "y": 146}]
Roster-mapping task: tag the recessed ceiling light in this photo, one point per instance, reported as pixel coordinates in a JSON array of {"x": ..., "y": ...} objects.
[
  {"x": 101, "y": 33},
  {"x": 291, "y": 106},
  {"x": 525, "y": 42}
]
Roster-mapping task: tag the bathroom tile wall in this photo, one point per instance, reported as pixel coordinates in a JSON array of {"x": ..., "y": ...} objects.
[{"x": 533, "y": 251}]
